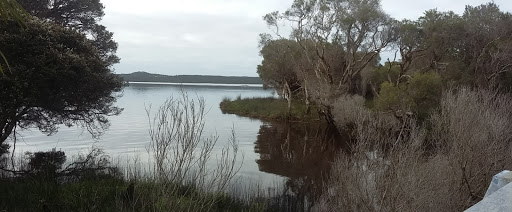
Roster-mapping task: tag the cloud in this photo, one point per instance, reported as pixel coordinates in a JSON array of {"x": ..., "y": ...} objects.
[
  {"x": 199, "y": 40},
  {"x": 218, "y": 37},
  {"x": 406, "y": 9}
]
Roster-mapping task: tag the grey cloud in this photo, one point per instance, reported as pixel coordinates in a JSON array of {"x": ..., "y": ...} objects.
[
  {"x": 221, "y": 40},
  {"x": 192, "y": 43}
]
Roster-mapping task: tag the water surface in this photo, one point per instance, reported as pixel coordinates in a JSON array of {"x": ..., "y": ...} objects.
[{"x": 292, "y": 158}]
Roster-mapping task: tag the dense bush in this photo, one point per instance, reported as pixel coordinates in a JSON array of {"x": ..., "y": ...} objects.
[
  {"x": 443, "y": 165},
  {"x": 419, "y": 95}
]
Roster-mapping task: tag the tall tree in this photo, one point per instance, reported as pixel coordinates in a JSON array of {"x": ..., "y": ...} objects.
[
  {"x": 58, "y": 77},
  {"x": 360, "y": 30},
  {"x": 340, "y": 39},
  {"x": 472, "y": 49},
  {"x": 486, "y": 46}
]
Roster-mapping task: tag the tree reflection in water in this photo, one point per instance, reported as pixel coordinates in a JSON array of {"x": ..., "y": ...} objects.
[{"x": 301, "y": 152}]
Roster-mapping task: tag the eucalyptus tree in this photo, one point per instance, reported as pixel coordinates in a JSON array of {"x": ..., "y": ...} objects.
[
  {"x": 278, "y": 69},
  {"x": 486, "y": 47},
  {"x": 340, "y": 38},
  {"x": 471, "y": 49}
]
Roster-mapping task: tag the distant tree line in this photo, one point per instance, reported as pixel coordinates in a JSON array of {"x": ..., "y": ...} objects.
[
  {"x": 148, "y": 77},
  {"x": 334, "y": 50}
]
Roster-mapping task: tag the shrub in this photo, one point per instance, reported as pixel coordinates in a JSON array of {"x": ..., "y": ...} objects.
[
  {"x": 444, "y": 165},
  {"x": 181, "y": 153},
  {"x": 420, "y": 95}
]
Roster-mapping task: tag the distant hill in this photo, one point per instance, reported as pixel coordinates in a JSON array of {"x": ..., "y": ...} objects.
[{"x": 148, "y": 77}]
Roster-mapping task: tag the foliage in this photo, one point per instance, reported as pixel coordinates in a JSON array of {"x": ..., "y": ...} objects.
[
  {"x": 390, "y": 98},
  {"x": 58, "y": 77},
  {"x": 10, "y": 10},
  {"x": 278, "y": 68},
  {"x": 420, "y": 95},
  {"x": 337, "y": 41},
  {"x": 339, "y": 38},
  {"x": 46, "y": 163},
  {"x": 425, "y": 91},
  {"x": 79, "y": 15},
  {"x": 472, "y": 49},
  {"x": 389, "y": 72}
]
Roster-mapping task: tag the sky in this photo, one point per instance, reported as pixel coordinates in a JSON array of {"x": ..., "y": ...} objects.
[{"x": 216, "y": 37}]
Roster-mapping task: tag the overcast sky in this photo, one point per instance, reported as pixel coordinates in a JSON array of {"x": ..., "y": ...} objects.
[{"x": 215, "y": 37}]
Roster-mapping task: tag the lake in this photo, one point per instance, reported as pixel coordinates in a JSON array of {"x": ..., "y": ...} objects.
[{"x": 292, "y": 154}]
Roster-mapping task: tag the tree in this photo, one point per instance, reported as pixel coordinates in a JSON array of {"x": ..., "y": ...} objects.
[
  {"x": 80, "y": 15},
  {"x": 340, "y": 39},
  {"x": 58, "y": 77},
  {"x": 486, "y": 48},
  {"x": 473, "y": 49},
  {"x": 419, "y": 96},
  {"x": 278, "y": 68},
  {"x": 10, "y": 9},
  {"x": 356, "y": 30}
]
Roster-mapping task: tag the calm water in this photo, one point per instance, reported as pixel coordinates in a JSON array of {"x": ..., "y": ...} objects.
[{"x": 293, "y": 153}]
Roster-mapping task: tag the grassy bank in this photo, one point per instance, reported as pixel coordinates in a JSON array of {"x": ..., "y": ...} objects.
[
  {"x": 109, "y": 193},
  {"x": 93, "y": 184},
  {"x": 269, "y": 109}
]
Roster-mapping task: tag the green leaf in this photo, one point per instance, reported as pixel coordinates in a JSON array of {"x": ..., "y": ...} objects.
[
  {"x": 10, "y": 9},
  {"x": 6, "y": 63}
]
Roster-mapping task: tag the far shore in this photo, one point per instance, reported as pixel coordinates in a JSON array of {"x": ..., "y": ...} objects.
[{"x": 200, "y": 84}]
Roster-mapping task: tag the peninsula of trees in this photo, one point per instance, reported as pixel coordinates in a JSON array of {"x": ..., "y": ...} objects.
[{"x": 149, "y": 77}]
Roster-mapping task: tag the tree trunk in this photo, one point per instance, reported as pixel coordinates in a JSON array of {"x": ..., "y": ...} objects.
[
  {"x": 6, "y": 130},
  {"x": 289, "y": 98},
  {"x": 306, "y": 97}
]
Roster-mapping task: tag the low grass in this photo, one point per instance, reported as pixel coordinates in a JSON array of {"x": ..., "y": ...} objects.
[
  {"x": 110, "y": 191},
  {"x": 269, "y": 109},
  {"x": 110, "y": 194}
]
